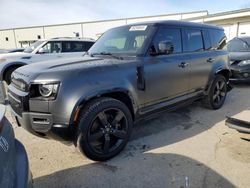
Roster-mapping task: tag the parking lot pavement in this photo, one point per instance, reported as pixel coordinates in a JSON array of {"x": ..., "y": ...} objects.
[{"x": 190, "y": 147}]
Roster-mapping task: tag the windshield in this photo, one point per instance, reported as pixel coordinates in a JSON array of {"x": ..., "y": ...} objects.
[
  {"x": 32, "y": 47},
  {"x": 238, "y": 45},
  {"x": 126, "y": 40}
]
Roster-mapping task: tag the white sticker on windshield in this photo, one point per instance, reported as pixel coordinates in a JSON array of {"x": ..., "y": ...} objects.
[{"x": 138, "y": 28}]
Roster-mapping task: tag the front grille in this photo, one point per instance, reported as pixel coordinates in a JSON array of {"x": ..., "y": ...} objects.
[{"x": 17, "y": 103}]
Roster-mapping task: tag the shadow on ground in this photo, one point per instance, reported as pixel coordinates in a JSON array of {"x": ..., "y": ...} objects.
[{"x": 150, "y": 170}]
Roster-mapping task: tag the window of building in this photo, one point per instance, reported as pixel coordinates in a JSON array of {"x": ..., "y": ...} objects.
[{"x": 6, "y": 38}]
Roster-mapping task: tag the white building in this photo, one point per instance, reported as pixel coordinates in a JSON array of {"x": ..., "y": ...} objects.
[{"x": 235, "y": 23}]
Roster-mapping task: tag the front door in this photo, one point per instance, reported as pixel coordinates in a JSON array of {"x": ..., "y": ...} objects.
[{"x": 166, "y": 75}]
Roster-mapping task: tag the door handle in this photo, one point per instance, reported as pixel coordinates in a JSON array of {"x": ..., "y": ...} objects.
[
  {"x": 210, "y": 60},
  {"x": 183, "y": 64}
]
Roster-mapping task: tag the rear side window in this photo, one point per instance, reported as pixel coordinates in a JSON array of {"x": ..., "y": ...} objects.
[
  {"x": 193, "y": 40},
  {"x": 73, "y": 46},
  {"x": 218, "y": 39},
  {"x": 88, "y": 45},
  {"x": 171, "y": 35}
]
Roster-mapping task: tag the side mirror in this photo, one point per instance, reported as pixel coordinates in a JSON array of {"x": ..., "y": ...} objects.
[
  {"x": 41, "y": 51},
  {"x": 166, "y": 47}
]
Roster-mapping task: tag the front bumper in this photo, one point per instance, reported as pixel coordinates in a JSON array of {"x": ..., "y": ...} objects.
[
  {"x": 42, "y": 125},
  {"x": 240, "y": 75},
  {"x": 239, "y": 125}
]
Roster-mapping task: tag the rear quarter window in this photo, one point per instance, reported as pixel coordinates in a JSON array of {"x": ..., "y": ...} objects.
[{"x": 218, "y": 39}]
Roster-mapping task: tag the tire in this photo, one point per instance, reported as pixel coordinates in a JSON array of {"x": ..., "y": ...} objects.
[
  {"x": 217, "y": 93},
  {"x": 104, "y": 128},
  {"x": 7, "y": 75}
]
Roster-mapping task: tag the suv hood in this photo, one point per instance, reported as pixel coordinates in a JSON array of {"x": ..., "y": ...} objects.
[
  {"x": 15, "y": 55},
  {"x": 239, "y": 56},
  {"x": 57, "y": 70}
]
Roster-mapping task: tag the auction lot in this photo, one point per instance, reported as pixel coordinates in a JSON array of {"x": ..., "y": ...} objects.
[{"x": 190, "y": 147}]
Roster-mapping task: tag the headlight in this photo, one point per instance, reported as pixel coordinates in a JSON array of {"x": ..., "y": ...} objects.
[
  {"x": 47, "y": 90},
  {"x": 246, "y": 62}
]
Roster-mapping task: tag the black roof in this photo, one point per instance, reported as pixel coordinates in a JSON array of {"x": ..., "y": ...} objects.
[{"x": 179, "y": 23}]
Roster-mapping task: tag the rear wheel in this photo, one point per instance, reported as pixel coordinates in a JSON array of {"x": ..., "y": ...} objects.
[
  {"x": 105, "y": 126},
  {"x": 217, "y": 93}
]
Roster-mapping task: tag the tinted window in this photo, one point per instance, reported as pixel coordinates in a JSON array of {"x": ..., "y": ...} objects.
[
  {"x": 88, "y": 45},
  {"x": 218, "y": 39},
  {"x": 207, "y": 40},
  {"x": 170, "y": 35},
  {"x": 194, "y": 42},
  {"x": 237, "y": 45},
  {"x": 73, "y": 46}
]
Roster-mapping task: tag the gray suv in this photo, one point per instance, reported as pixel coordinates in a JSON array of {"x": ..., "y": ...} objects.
[{"x": 130, "y": 73}]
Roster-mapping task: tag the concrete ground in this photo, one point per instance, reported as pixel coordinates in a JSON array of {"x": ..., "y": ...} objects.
[{"x": 190, "y": 147}]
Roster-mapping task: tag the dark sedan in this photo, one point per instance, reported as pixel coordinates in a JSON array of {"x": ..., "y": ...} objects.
[
  {"x": 14, "y": 166},
  {"x": 239, "y": 53}
]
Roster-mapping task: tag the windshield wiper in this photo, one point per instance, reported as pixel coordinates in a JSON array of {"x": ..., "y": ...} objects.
[{"x": 106, "y": 54}]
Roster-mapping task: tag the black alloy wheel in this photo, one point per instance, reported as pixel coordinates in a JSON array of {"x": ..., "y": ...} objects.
[{"x": 105, "y": 126}]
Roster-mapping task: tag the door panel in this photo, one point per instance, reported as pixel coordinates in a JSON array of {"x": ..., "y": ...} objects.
[{"x": 165, "y": 78}]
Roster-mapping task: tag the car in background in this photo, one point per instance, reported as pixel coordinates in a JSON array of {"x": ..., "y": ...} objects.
[
  {"x": 14, "y": 164},
  {"x": 239, "y": 54},
  {"x": 41, "y": 50}
]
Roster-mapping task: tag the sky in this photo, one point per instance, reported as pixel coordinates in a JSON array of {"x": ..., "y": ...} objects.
[{"x": 23, "y": 13}]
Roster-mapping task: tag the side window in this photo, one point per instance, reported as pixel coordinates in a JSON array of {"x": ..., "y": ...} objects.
[
  {"x": 170, "y": 36},
  {"x": 194, "y": 42},
  {"x": 218, "y": 39},
  {"x": 73, "y": 46},
  {"x": 207, "y": 40},
  {"x": 88, "y": 45},
  {"x": 52, "y": 47}
]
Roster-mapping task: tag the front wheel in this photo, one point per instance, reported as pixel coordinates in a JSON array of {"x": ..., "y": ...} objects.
[
  {"x": 105, "y": 126},
  {"x": 217, "y": 93}
]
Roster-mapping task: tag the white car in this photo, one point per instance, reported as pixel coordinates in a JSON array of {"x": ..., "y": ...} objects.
[{"x": 43, "y": 50}]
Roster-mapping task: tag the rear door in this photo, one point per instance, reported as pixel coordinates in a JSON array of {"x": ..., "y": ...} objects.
[
  {"x": 165, "y": 78},
  {"x": 200, "y": 57}
]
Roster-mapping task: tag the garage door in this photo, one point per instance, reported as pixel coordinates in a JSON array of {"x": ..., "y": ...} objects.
[
  {"x": 244, "y": 29},
  {"x": 227, "y": 30}
]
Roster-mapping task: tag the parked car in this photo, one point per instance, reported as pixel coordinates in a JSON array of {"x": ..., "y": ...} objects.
[
  {"x": 14, "y": 165},
  {"x": 130, "y": 73},
  {"x": 56, "y": 48},
  {"x": 239, "y": 53}
]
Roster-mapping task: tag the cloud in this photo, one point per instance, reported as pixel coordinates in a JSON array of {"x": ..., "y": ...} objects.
[{"x": 21, "y": 13}]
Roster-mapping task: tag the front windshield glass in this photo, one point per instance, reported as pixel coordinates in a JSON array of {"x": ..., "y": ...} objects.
[
  {"x": 33, "y": 46},
  {"x": 126, "y": 40},
  {"x": 237, "y": 45}
]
